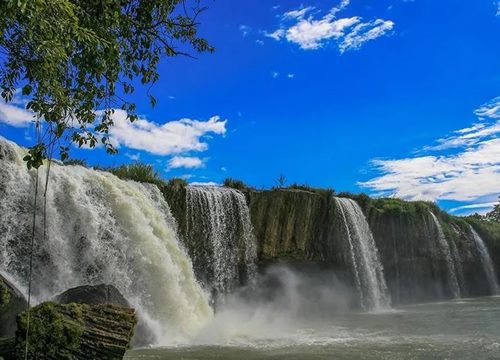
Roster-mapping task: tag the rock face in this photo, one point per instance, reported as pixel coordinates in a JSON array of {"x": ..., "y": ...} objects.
[
  {"x": 12, "y": 302},
  {"x": 93, "y": 295}
]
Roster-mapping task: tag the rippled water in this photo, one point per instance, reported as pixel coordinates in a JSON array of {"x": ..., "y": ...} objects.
[{"x": 459, "y": 329}]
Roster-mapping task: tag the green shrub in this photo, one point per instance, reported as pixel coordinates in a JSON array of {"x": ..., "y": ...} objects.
[
  {"x": 138, "y": 172},
  {"x": 177, "y": 183},
  {"x": 235, "y": 184}
]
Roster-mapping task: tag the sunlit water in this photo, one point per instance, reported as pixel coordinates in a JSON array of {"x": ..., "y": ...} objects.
[{"x": 458, "y": 329}]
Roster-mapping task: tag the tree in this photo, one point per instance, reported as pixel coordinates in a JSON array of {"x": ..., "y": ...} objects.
[
  {"x": 494, "y": 215},
  {"x": 280, "y": 181},
  {"x": 76, "y": 61}
]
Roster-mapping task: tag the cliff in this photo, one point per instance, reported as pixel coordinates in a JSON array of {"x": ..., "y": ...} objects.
[{"x": 305, "y": 227}]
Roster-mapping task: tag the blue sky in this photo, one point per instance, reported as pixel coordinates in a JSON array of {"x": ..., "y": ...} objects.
[{"x": 388, "y": 97}]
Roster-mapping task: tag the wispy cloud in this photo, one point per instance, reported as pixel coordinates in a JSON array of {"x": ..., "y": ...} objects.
[
  {"x": 186, "y": 162},
  {"x": 487, "y": 127},
  {"x": 134, "y": 157},
  {"x": 204, "y": 183},
  {"x": 308, "y": 30},
  {"x": 244, "y": 29},
  {"x": 14, "y": 115},
  {"x": 471, "y": 173},
  {"x": 481, "y": 208},
  {"x": 498, "y": 8}
]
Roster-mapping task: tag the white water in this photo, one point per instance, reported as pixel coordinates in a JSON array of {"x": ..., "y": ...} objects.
[
  {"x": 223, "y": 215},
  {"x": 366, "y": 264},
  {"x": 486, "y": 261},
  {"x": 100, "y": 229},
  {"x": 445, "y": 249}
]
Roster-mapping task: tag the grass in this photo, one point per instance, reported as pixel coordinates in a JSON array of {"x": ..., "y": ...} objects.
[
  {"x": 137, "y": 172},
  {"x": 236, "y": 184}
]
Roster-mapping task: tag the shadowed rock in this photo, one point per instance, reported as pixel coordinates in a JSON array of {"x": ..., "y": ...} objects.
[
  {"x": 12, "y": 302},
  {"x": 93, "y": 295}
]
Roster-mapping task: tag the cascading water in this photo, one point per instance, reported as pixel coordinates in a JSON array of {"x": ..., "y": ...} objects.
[
  {"x": 100, "y": 229},
  {"x": 486, "y": 261},
  {"x": 445, "y": 249},
  {"x": 220, "y": 216},
  {"x": 457, "y": 261},
  {"x": 366, "y": 265}
]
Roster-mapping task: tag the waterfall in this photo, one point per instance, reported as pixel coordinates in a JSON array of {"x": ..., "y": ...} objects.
[
  {"x": 486, "y": 262},
  {"x": 100, "y": 229},
  {"x": 367, "y": 268},
  {"x": 226, "y": 253},
  {"x": 457, "y": 261},
  {"x": 446, "y": 252}
]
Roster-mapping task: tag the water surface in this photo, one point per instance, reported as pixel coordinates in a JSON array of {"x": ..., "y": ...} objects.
[{"x": 458, "y": 329}]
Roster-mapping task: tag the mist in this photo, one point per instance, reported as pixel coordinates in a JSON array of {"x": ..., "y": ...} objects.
[{"x": 282, "y": 300}]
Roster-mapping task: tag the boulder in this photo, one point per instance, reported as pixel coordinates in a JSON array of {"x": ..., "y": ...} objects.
[
  {"x": 72, "y": 331},
  {"x": 12, "y": 302},
  {"x": 93, "y": 295},
  {"x": 105, "y": 294}
]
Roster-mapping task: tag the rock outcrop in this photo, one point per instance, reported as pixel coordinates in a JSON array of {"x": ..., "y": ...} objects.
[
  {"x": 72, "y": 331},
  {"x": 12, "y": 302}
]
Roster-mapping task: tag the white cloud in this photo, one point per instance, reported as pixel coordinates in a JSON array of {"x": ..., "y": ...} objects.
[
  {"x": 276, "y": 35},
  {"x": 297, "y": 14},
  {"x": 259, "y": 42},
  {"x": 483, "y": 207},
  {"x": 15, "y": 115},
  {"x": 498, "y": 8},
  {"x": 364, "y": 32},
  {"x": 187, "y": 176},
  {"x": 275, "y": 74},
  {"x": 290, "y": 76},
  {"x": 311, "y": 32},
  {"x": 174, "y": 137},
  {"x": 185, "y": 162},
  {"x": 487, "y": 128},
  {"x": 245, "y": 29},
  {"x": 471, "y": 173},
  {"x": 206, "y": 183},
  {"x": 134, "y": 157}
]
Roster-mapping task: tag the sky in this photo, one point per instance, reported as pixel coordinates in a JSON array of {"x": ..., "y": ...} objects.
[{"x": 387, "y": 97}]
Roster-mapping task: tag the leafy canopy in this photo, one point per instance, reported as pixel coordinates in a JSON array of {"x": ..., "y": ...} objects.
[{"x": 76, "y": 60}]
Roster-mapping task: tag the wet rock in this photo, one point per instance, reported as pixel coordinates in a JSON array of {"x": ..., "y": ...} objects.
[{"x": 93, "y": 295}]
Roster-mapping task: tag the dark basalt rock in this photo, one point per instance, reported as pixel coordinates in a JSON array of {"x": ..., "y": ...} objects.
[
  {"x": 12, "y": 302},
  {"x": 93, "y": 295}
]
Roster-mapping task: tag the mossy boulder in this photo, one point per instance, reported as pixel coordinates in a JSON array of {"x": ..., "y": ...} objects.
[
  {"x": 73, "y": 331},
  {"x": 12, "y": 302}
]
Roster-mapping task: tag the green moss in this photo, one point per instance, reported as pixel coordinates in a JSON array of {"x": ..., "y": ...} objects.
[{"x": 52, "y": 334}]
